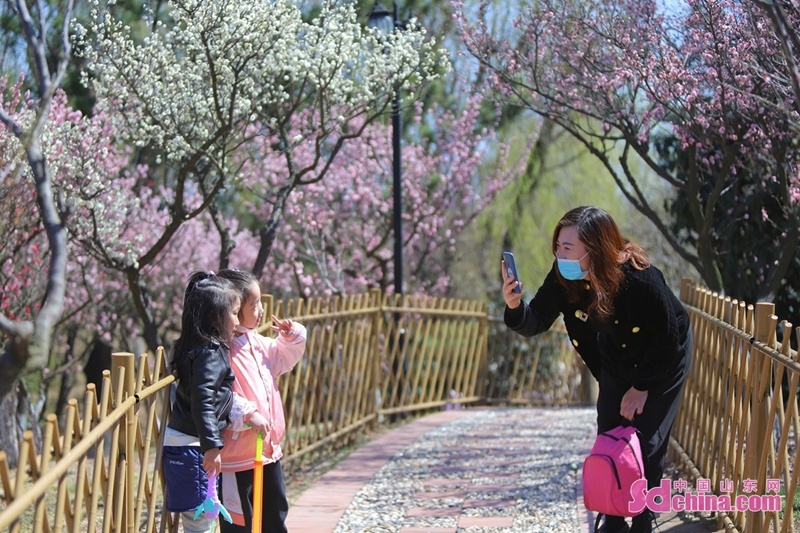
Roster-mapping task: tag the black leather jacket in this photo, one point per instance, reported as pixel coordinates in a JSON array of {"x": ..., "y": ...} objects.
[{"x": 203, "y": 397}]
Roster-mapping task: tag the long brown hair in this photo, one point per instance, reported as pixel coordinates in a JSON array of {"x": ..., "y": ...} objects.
[{"x": 608, "y": 251}]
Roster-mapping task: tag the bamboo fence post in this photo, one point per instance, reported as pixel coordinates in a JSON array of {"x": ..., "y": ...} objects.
[
  {"x": 759, "y": 409},
  {"x": 376, "y": 300},
  {"x": 126, "y": 361},
  {"x": 268, "y": 302}
]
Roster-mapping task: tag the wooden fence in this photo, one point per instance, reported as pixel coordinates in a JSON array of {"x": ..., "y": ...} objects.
[
  {"x": 738, "y": 423},
  {"x": 368, "y": 357},
  {"x": 98, "y": 472}
]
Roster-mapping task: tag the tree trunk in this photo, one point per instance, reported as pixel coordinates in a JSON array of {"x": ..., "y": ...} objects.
[
  {"x": 226, "y": 243},
  {"x": 16, "y": 416},
  {"x": 9, "y": 441},
  {"x": 142, "y": 304},
  {"x": 270, "y": 230},
  {"x": 267, "y": 237},
  {"x": 64, "y": 390},
  {"x": 99, "y": 360}
]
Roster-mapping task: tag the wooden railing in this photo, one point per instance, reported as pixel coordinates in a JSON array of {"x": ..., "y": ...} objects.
[
  {"x": 368, "y": 358},
  {"x": 330, "y": 398},
  {"x": 738, "y": 423},
  {"x": 541, "y": 370},
  {"x": 99, "y": 472}
]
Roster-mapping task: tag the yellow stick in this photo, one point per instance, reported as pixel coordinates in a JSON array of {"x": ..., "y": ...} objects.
[{"x": 258, "y": 484}]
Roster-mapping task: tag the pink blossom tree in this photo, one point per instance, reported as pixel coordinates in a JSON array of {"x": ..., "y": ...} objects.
[
  {"x": 148, "y": 190},
  {"x": 338, "y": 236},
  {"x": 75, "y": 150},
  {"x": 97, "y": 308},
  {"x": 107, "y": 210},
  {"x": 620, "y": 76},
  {"x": 27, "y": 331},
  {"x": 783, "y": 72}
]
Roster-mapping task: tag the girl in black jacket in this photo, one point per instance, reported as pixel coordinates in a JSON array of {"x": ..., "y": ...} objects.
[
  {"x": 203, "y": 398},
  {"x": 626, "y": 324}
]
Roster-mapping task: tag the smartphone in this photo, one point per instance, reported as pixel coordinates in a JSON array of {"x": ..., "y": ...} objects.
[{"x": 511, "y": 269}]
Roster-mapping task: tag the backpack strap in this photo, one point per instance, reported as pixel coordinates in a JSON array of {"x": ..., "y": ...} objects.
[{"x": 597, "y": 521}]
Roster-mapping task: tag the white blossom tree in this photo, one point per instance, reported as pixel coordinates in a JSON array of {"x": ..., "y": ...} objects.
[{"x": 197, "y": 89}]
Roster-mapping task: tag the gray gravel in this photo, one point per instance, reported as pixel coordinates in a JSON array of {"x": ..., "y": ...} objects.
[{"x": 520, "y": 465}]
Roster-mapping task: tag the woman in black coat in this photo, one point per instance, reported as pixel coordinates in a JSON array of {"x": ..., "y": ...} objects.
[{"x": 627, "y": 326}]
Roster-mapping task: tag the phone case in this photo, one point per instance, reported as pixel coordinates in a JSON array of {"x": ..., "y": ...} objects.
[{"x": 511, "y": 269}]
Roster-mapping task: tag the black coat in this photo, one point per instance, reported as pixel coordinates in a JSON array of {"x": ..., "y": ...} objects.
[
  {"x": 643, "y": 343},
  {"x": 203, "y": 397}
]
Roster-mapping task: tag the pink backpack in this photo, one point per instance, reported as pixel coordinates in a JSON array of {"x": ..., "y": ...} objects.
[{"x": 609, "y": 471}]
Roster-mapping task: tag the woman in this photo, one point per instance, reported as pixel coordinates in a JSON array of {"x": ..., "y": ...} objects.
[{"x": 627, "y": 326}]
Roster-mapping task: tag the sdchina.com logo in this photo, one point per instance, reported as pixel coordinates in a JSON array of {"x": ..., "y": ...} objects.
[{"x": 660, "y": 499}]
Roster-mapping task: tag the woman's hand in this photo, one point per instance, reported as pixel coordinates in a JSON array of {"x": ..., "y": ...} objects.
[
  {"x": 632, "y": 403},
  {"x": 212, "y": 461},
  {"x": 513, "y": 299},
  {"x": 259, "y": 423},
  {"x": 284, "y": 328}
]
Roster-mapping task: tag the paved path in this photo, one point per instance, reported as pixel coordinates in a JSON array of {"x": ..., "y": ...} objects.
[{"x": 503, "y": 470}]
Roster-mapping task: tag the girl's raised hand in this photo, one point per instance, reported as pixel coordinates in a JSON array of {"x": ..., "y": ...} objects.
[{"x": 284, "y": 328}]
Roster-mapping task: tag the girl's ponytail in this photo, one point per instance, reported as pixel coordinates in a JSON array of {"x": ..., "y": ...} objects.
[{"x": 195, "y": 278}]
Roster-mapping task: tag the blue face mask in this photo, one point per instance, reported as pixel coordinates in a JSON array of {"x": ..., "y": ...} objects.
[{"x": 571, "y": 268}]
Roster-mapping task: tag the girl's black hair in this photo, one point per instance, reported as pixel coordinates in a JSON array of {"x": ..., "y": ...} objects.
[
  {"x": 207, "y": 304},
  {"x": 241, "y": 279}
]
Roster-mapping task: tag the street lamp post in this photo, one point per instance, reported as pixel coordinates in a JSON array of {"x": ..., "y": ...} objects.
[{"x": 387, "y": 21}]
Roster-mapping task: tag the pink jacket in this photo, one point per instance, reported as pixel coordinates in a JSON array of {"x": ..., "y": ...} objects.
[{"x": 256, "y": 361}]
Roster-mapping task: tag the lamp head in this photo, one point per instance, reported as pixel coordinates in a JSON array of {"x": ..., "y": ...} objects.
[{"x": 381, "y": 18}]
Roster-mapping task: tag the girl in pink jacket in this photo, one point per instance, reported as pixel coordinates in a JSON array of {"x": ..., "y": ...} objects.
[{"x": 256, "y": 361}]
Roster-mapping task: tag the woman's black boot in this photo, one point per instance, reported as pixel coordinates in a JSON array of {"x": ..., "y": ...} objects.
[
  {"x": 613, "y": 524},
  {"x": 643, "y": 523}
]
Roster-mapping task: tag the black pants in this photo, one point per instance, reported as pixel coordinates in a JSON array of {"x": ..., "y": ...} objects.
[
  {"x": 655, "y": 422},
  {"x": 274, "y": 505}
]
